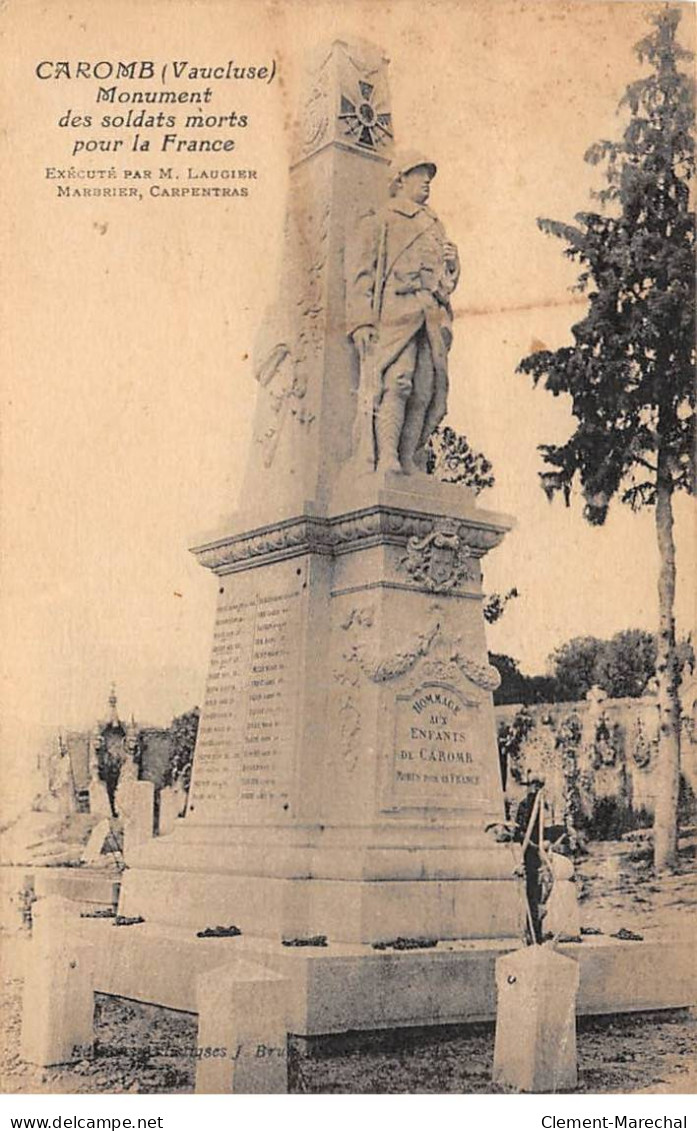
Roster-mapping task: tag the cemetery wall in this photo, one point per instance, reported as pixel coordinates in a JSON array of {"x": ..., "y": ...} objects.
[{"x": 605, "y": 751}]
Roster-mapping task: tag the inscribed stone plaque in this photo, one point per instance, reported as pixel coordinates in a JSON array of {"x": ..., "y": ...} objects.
[
  {"x": 435, "y": 759},
  {"x": 244, "y": 753}
]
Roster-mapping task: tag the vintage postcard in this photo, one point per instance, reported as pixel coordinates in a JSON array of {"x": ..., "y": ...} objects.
[{"x": 348, "y": 548}]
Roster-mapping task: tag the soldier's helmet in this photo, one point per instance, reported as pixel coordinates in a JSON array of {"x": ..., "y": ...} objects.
[{"x": 406, "y": 161}]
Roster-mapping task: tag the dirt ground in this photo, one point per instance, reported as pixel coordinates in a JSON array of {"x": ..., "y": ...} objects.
[{"x": 145, "y": 1049}]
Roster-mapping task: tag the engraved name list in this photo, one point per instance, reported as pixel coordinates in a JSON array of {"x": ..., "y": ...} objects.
[{"x": 244, "y": 752}]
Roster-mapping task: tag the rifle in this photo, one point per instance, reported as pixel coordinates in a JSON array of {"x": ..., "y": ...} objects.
[
  {"x": 364, "y": 439},
  {"x": 364, "y": 444}
]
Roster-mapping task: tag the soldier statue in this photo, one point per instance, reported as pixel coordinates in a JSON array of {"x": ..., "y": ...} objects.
[{"x": 401, "y": 272}]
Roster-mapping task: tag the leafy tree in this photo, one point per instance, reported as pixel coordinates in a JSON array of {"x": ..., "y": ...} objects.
[
  {"x": 622, "y": 666},
  {"x": 627, "y": 663},
  {"x": 450, "y": 457},
  {"x": 573, "y": 667},
  {"x": 516, "y": 687},
  {"x": 540, "y": 689},
  {"x": 512, "y": 686},
  {"x": 567, "y": 743},
  {"x": 183, "y": 729},
  {"x": 511, "y": 739},
  {"x": 111, "y": 755},
  {"x": 495, "y": 605},
  {"x": 630, "y": 371}
]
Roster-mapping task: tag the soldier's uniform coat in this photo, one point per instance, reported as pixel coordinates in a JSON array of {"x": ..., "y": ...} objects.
[{"x": 398, "y": 283}]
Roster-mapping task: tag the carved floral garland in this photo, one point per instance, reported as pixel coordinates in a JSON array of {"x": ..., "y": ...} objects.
[{"x": 382, "y": 670}]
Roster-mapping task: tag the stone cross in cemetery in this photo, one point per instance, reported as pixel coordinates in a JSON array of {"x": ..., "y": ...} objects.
[{"x": 346, "y": 765}]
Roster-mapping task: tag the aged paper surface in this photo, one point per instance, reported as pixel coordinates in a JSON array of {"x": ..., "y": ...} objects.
[{"x": 133, "y": 297}]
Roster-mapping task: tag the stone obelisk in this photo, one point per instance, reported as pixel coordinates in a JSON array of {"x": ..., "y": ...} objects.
[{"x": 346, "y": 767}]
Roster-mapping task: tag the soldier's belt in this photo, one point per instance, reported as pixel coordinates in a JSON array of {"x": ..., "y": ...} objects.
[{"x": 412, "y": 289}]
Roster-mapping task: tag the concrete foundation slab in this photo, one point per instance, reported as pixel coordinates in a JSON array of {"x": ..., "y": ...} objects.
[{"x": 344, "y": 987}]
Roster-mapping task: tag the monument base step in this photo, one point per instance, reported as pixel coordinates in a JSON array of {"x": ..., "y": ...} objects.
[
  {"x": 345, "y": 910},
  {"x": 92, "y": 888},
  {"x": 340, "y": 987},
  {"x": 456, "y": 853}
]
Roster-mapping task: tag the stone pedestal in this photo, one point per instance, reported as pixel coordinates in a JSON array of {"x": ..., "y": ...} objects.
[
  {"x": 535, "y": 1047},
  {"x": 58, "y": 993},
  {"x": 58, "y": 1005},
  {"x": 346, "y": 766},
  {"x": 243, "y": 1021}
]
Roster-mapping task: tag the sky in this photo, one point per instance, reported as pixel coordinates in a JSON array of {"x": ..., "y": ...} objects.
[{"x": 127, "y": 385}]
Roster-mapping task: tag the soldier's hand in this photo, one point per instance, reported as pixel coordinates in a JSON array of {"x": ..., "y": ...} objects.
[
  {"x": 450, "y": 253},
  {"x": 364, "y": 339}
]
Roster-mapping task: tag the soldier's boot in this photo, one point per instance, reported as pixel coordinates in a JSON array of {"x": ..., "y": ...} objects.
[{"x": 388, "y": 429}]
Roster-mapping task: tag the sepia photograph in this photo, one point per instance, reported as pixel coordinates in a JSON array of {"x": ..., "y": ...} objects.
[{"x": 348, "y": 723}]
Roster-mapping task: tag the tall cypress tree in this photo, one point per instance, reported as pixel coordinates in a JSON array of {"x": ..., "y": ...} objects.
[{"x": 630, "y": 371}]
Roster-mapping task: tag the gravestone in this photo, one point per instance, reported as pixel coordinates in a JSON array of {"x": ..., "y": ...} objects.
[
  {"x": 101, "y": 836},
  {"x": 346, "y": 765},
  {"x": 137, "y": 811},
  {"x": 172, "y": 805}
]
